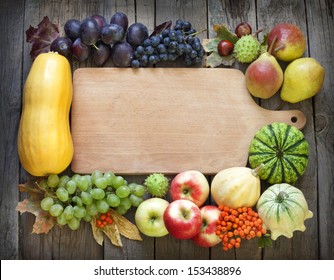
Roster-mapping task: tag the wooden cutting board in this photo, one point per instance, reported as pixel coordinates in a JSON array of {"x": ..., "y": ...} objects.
[{"x": 139, "y": 121}]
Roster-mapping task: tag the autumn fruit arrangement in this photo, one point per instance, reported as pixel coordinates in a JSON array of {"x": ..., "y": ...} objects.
[
  {"x": 285, "y": 42},
  {"x": 124, "y": 44},
  {"x": 278, "y": 154}
]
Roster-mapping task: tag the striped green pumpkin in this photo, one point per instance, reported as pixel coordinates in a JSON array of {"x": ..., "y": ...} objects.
[
  {"x": 282, "y": 149},
  {"x": 283, "y": 210}
]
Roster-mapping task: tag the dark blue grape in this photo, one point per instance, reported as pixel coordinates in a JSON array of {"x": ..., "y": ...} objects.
[
  {"x": 144, "y": 60},
  {"x": 201, "y": 53},
  {"x": 140, "y": 50},
  {"x": 172, "y": 57},
  {"x": 178, "y": 27},
  {"x": 180, "y": 39},
  {"x": 180, "y": 49},
  {"x": 163, "y": 57},
  {"x": 166, "y": 41},
  {"x": 136, "y": 55},
  {"x": 155, "y": 41},
  {"x": 190, "y": 40},
  {"x": 187, "y": 61},
  {"x": 165, "y": 33},
  {"x": 149, "y": 50},
  {"x": 161, "y": 48},
  {"x": 186, "y": 26},
  {"x": 135, "y": 63},
  {"x": 173, "y": 44},
  {"x": 193, "y": 54},
  {"x": 173, "y": 35},
  {"x": 147, "y": 42},
  {"x": 153, "y": 59},
  {"x": 196, "y": 46},
  {"x": 197, "y": 60},
  {"x": 188, "y": 49}
]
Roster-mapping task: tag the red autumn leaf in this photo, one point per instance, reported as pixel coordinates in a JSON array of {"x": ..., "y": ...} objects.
[
  {"x": 41, "y": 37},
  {"x": 43, "y": 222}
]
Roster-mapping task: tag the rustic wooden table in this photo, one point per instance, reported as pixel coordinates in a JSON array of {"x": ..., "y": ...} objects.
[{"x": 315, "y": 19}]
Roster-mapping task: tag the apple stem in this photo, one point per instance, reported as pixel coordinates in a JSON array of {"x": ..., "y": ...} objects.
[
  {"x": 280, "y": 106},
  {"x": 272, "y": 45}
]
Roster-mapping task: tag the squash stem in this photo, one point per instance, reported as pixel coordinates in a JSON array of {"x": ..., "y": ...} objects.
[
  {"x": 256, "y": 171},
  {"x": 281, "y": 197}
]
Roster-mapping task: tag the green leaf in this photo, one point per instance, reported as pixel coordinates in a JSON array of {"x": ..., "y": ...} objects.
[
  {"x": 210, "y": 45},
  {"x": 265, "y": 241},
  {"x": 224, "y": 34},
  {"x": 214, "y": 60}
]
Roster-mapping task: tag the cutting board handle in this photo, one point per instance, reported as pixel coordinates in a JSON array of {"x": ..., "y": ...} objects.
[{"x": 292, "y": 117}]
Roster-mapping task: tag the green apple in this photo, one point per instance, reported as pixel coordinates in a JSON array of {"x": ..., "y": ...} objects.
[{"x": 149, "y": 217}]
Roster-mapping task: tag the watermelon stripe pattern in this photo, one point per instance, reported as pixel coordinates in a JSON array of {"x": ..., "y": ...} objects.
[{"x": 282, "y": 149}]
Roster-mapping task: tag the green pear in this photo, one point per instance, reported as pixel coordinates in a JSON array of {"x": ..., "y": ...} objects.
[
  {"x": 303, "y": 78},
  {"x": 264, "y": 76}
]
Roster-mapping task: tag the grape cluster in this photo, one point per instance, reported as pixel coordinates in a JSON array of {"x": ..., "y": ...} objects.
[
  {"x": 127, "y": 46},
  {"x": 80, "y": 197},
  {"x": 170, "y": 44}
]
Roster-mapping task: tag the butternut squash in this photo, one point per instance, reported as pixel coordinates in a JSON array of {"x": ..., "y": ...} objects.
[{"x": 44, "y": 139}]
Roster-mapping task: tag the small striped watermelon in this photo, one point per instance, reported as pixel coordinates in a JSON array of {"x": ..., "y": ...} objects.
[{"x": 282, "y": 149}]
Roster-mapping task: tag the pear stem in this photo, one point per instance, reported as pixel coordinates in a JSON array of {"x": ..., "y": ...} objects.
[
  {"x": 280, "y": 106},
  {"x": 272, "y": 45},
  {"x": 257, "y": 32}
]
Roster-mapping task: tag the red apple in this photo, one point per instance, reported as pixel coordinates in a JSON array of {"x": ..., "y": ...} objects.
[
  {"x": 191, "y": 185},
  {"x": 290, "y": 41},
  {"x": 207, "y": 236},
  {"x": 182, "y": 219}
]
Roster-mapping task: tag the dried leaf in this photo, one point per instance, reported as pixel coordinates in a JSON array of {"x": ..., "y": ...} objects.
[
  {"x": 97, "y": 233},
  {"x": 32, "y": 189},
  {"x": 43, "y": 222},
  {"x": 41, "y": 37},
  {"x": 112, "y": 232},
  {"x": 125, "y": 227},
  {"x": 161, "y": 27}
]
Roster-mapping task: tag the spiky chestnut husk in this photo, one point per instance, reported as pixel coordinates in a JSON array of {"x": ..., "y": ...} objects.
[
  {"x": 247, "y": 49},
  {"x": 157, "y": 184}
]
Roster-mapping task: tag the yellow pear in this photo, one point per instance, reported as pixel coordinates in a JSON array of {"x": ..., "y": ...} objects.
[{"x": 303, "y": 78}]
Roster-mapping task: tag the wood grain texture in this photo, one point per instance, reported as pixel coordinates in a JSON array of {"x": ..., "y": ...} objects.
[
  {"x": 11, "y": 20},
  {"x": 302, "y": 246},
  {"x": 320, "y": 32},
  {"x": 316, "y": 20},
  {"x": 186, "y": 118}
]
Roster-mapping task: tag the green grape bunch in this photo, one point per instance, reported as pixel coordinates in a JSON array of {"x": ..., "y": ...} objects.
[{"x": 80, "y": 197}]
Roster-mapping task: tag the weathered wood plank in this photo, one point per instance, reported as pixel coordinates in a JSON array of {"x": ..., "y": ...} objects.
[
  {"x": 231, "y": 13},
  {"x": 137, "y": 11},
  {"x": 301, "y": 246},
  {"x": 11, "y": 20},
  {"x": 59, "y": 243},
  {"x": 320, "y": 26},
  {"x": 194, "y": 11}
]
